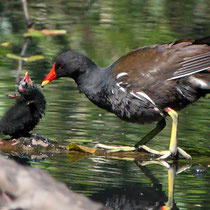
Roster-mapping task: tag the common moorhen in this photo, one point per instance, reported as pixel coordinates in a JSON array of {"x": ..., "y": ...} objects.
[
  {"x": 29, "y": 108},
  {"x": 143, "y": 86}
]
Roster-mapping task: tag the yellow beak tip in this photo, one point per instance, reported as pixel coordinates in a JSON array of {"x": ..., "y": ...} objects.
[{"x": 45, "y": 83}]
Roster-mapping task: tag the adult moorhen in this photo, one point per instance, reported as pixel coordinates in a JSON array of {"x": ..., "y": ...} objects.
[
  {"x": 143, "y": 86},
  {"x": 29, "y": 108}
]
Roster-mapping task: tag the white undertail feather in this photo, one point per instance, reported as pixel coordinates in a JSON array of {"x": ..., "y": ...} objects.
[{"x": 205, "y": 85}]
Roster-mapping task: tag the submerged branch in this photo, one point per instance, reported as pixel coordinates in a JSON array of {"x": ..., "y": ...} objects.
[
  {"x": 25, "y": 9},
  {"x": 20, "y": 62}
]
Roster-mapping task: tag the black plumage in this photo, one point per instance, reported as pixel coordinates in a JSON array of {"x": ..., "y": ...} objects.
[{"x": 25, "y": 114}]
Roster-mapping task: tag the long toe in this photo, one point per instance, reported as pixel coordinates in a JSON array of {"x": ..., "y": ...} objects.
[
  {"x": 183, "y": 153},
  {"x": 166, "y": 154},
  {"x": 179, "y": 152},
  {"x": 111, "y": 149}
]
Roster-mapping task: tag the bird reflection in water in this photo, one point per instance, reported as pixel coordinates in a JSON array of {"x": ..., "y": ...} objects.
[{"x": 142, "y": 196}]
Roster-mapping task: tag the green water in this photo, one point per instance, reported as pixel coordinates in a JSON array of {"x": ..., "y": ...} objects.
[{"x": 105, "y": 30}]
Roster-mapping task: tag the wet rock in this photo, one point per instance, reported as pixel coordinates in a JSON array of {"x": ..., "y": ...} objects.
[
  {"x": 32, "y": 145},
  {"x": 24, "y": 187}
]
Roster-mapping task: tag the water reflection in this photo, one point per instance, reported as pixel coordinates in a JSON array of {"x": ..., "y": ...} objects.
[
  {"x": 126, "y": 184},
  {"x": 140, "y": 195},
  {"x": 120, "y": 184}
]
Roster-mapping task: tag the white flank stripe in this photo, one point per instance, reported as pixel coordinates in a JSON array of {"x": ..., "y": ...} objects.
[
  {"x": 184, "y": 75},
  {"x": 121, "y": 75},
  {"x": 199, "y": 82},
  {"x": 146, "y": 96},
  {"x": 136, "y": 96}
]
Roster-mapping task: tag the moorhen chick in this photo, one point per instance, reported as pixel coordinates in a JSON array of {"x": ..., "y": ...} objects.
[
  {"x": 143, "y": 86},
  {"x": 29, "y": 108}
]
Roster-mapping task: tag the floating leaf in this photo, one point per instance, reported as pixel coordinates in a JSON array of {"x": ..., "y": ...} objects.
[
  {"x": 75, "y": 156},
  {"x": 28, "y": 59},
  {"x": 43, "y": 32},
  {"x": 6, "y": 44},
  {"x": 53, "y": 32},
  {"x": 13, "y": 56},
  {"x": 76, "y": 147},
  {"x": 33, "y": 34}
]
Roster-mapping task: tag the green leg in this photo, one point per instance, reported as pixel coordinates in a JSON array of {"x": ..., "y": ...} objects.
[
  {"x": 173, "y": 149},
  {"x": 159, "y": 127}
]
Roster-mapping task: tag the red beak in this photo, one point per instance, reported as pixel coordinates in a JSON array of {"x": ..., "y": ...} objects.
[
  {"x": 50, "y": 77},
  {"x": 26, "y": 77},
  {"x": 26, "y": 81}
]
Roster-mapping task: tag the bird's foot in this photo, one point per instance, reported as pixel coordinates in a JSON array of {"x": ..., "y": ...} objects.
[
  {"x": 167, "y": 153},
  {"x": 111, "y": 149}
]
